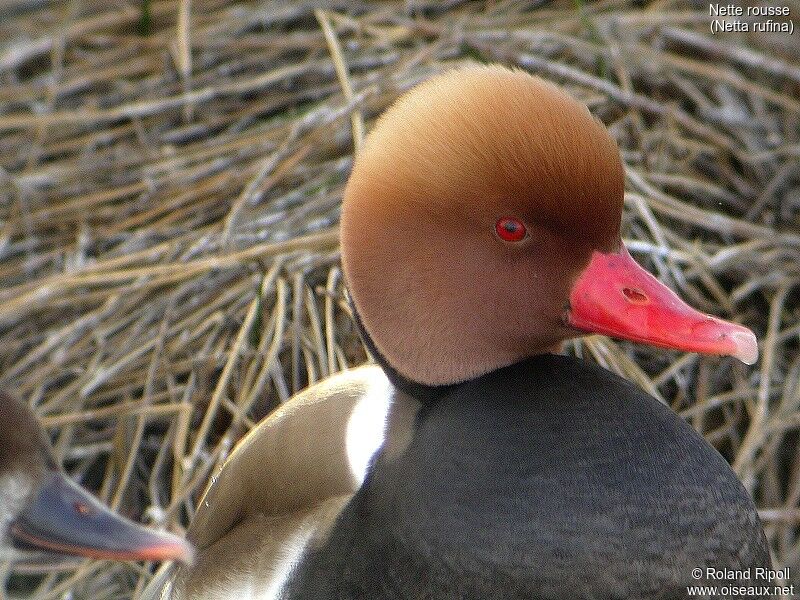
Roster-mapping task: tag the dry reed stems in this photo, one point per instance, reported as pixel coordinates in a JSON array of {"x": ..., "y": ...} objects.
[{"x": 169, "y": 202}]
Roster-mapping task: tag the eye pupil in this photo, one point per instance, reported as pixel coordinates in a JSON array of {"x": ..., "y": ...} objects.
[{"x": 510, "y": 229}]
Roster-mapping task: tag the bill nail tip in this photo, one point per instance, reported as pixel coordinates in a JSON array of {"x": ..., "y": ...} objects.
[{"x": 746, "y": 346}]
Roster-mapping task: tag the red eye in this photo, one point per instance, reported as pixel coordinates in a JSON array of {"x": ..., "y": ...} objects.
[{"x": 510, "y": 229}]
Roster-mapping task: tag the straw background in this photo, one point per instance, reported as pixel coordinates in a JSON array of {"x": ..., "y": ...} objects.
[{"x": 170, "y": 179}]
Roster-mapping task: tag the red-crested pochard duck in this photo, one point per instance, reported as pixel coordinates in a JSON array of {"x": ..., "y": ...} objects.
[
  {"x": 480, "y": 229},
  {"x": 45, "y": 516}
]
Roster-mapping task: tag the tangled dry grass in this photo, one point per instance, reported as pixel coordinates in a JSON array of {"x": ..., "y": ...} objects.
[{"x": 170, "y": 179}]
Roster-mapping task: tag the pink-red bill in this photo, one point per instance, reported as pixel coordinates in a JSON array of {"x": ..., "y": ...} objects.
[{"x": 614, "y": 296}]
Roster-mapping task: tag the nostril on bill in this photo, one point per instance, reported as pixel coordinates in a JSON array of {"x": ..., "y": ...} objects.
[{"x": 635, "y": 296}]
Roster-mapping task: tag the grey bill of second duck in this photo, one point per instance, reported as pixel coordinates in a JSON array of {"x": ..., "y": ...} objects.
[
  {"x": 480, "y": 229},
  {"x": 46, "y": 517}
]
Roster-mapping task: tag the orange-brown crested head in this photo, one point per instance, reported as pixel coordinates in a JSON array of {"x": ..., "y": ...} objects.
[{"x": 476, "y": 202}]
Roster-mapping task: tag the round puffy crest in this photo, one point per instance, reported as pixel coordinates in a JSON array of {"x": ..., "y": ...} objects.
[{"x": 491, "y": 135}]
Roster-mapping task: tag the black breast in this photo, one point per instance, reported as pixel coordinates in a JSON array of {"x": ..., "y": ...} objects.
[{"x": 552, "y": 478}]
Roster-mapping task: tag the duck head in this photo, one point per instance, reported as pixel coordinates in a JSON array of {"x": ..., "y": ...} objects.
[
  {"x": 481, "y": 226},
  {"x": 44, "y": 514}
]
